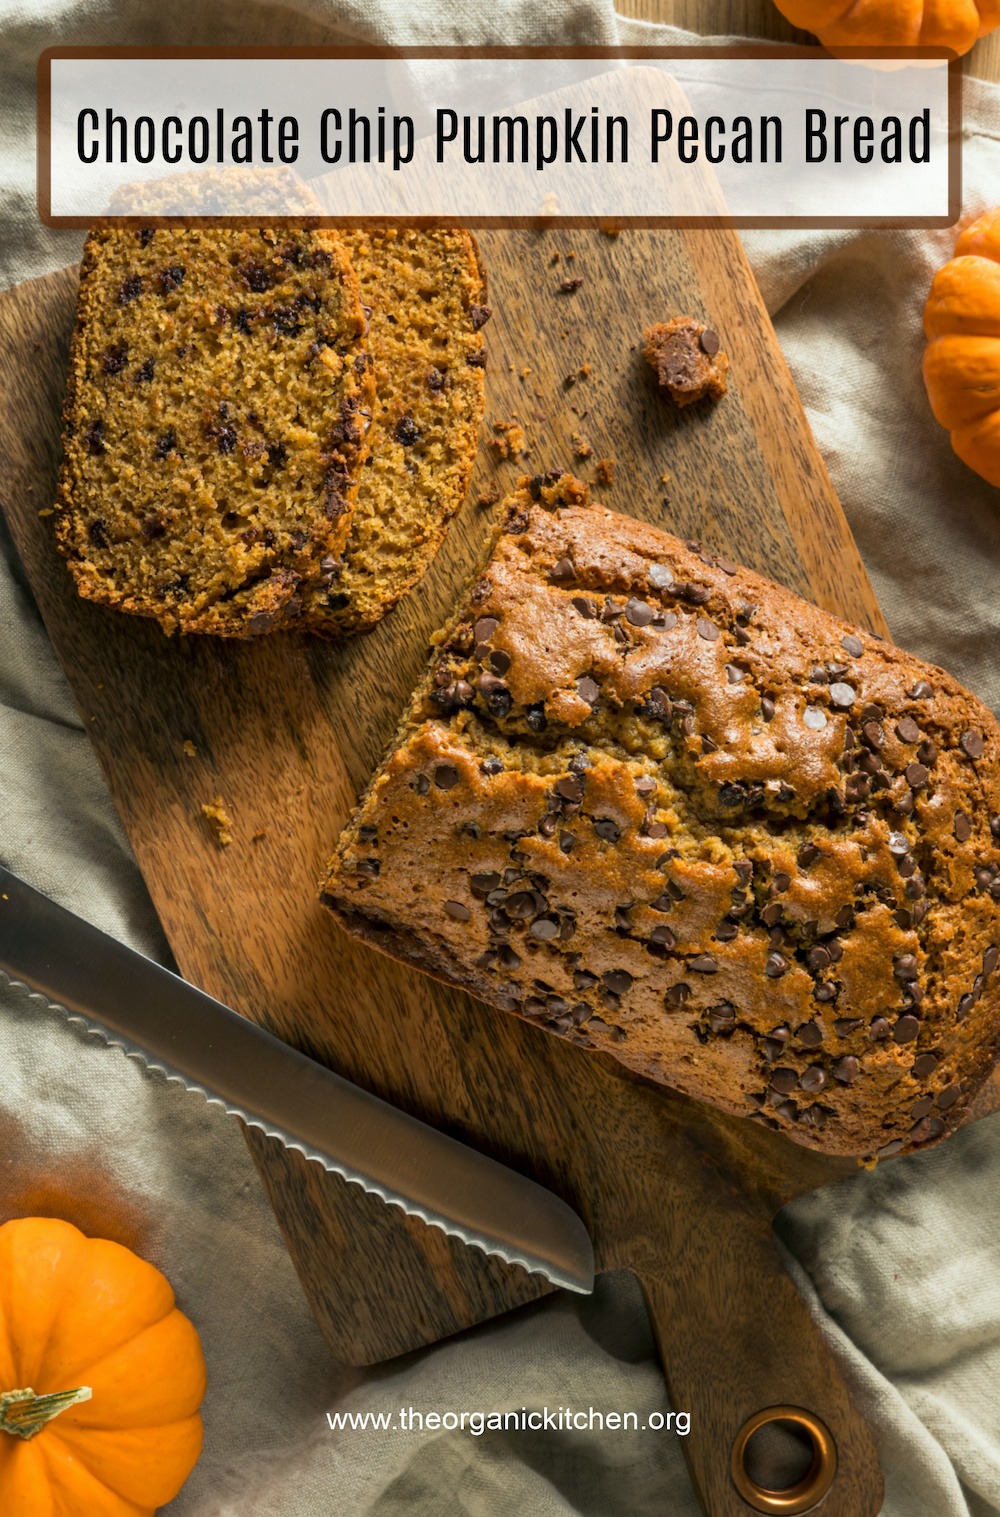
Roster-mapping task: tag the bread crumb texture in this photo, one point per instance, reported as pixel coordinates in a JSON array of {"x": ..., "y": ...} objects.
[
  {"x": 220, "y": 393},
  {"x": 219, "y": 823},
  {"x": 425, "y": 293},
  {"x": 687, "y": 359},
  {"x": 664, "y": 808}
]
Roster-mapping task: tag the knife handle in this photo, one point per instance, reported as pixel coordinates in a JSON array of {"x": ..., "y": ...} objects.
[{"x": 738, "y": 1348}]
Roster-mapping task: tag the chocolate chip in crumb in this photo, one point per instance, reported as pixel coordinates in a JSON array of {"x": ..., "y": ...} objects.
[
  {"x": 846, "y": 1070},
  {"x": 784, "y": 1080},
  {"x": 584, "y": 606},
  {"x": 924, "y": 1065},
  {"x": 921, "y": 691},
  {"x": 813, "y": 1078},
  {"x": 916, "y": 775},
  {"x": 587, "y": 689},
  {"x": 707, "y": 629},
  {"x": 853, "y": 645},
  {"x": 962, "y": 827},
  {"x": 704, "y": 963},
  {"x": 659, "y": 576},
  {"x": 906, "y": 1029},
  {"x": 776, "y": 965},
  {"x": 618, "y": 981},
  {"x": 607, "y": 829},
  {"x": 973, "y": 744},
  {"x": 767, "y": 708},
  {"x": 907, "y": 730},
  {"x": 709, "y": 342},
  {"x": 898, "y": 845},
  {"x": 638, "y": 613},
  {"x": 563, "y": 572},
  {"x": 446, "y": 776},
  {"x": 842, "y": 695},
  {"x": 458, "y": 911}
]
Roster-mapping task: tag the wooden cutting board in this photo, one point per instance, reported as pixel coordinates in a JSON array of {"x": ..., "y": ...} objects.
[{"x": 286, "y": 730}]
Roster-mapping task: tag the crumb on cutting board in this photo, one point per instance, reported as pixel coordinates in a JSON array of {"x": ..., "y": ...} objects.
[
  {"x": 510, "y": 441},
  {"x": 581, "y": 447},
  {"x": 218, "y": 821},
  {"x": 605, "y": 468},
  {"x": 688, "y": 360},
  {"x": 189, "y": 748}
]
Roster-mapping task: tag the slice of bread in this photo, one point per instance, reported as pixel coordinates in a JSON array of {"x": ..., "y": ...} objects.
[
  {"x": 426, "y": 292},
  {"x": 220, "y": 393}
]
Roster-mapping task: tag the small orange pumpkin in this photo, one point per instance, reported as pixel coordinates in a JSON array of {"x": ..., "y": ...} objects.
[
  {"x": 962, "y": 358},
  {"x": 101, "y": 1377},
  {"x": 956, "y": 24}
]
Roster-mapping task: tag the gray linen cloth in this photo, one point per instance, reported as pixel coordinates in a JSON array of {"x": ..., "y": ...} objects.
[{"x": 901, "y": 1269}]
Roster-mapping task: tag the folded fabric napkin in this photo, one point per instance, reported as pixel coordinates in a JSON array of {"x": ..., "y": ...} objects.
[{"x": 902, "y": 1270}]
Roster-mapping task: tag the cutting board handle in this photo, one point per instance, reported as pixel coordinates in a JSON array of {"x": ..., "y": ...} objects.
[{"x": 739, "y": 1349}]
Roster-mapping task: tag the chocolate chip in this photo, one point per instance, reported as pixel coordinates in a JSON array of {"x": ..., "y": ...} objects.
[
  {"x": 879, "y": 1030},
  {"x": 500, "y": 662},
  {"x": 570, "y": 787},
  {"x": 814, "y": 718},
  {"x": 845, "y": 1026},
  {"x": 458, "y": 911},
  {"x": 678, "y": 994},
  {"x": 446, "y": 776},
  {"x": 948, "y": 1097},
  {"x": 810, "y": 1035},
  {"x": 115, "y": 359},
  {"x": 924, "y": 1066},
  {"x": 564, "y": 571},
  {"x": 965, "y": 1005},
  {"x": 784, "y": 1080},
  {"x": 991, "y": 956},
  {"x": 482, "y": 884},
  {"x": 639, "y": 614},
  {"x": 480, "y": 315},
  {"x": 587, "y": 689},
  {"x": 972, "y": 743},
  {"x": 906, "y": 1029},
  {"x": 520, "y": 904},
  {"x": 607, "y": 829},
  {"x": 813, "y": 1078},
  {"x": 905, "y": 967},
  {"x": 567, "y": 842},
  {"x": 887, "y": 1150},
  {"x": 907, "y": 730},
  {"x": 704, "y": 963},
  {"x": 962, "y": 827},
  {"x": 916, "y": 775},
  {"x": 544, "y": 929},
  {"x": 406, "y": 431},
  {"x": 659, "y": 705},
  {"x": 485, "y": 628},
  {"x": 921, "y": 691},
  {"x": 722, "y": 1018},
  {"x": 129, "y": 289},
  {"x": 585, "y": 607},
  {"x": 709, "y": 342},
  {"x": 170, "y": 279},
  {"x": 846, "y": 1070},
  {"x": 436, "y": 379},
  {"x": 93, "y": 438},
  {"x": 898, "y": 845},
  {"x": 852, "y": 644},
  {"x": 165, "y": 444},
  {"x": 618, "y": 981},
  {"x": 767, "y": 708},
  {"x": 659, "y": 576},
  {"x": 707, "y": 629},
  {"x": 842, "y": 695},
  {"x": 776, "y": 965}
]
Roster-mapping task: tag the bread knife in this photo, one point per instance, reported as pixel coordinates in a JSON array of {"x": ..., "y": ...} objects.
[{"x": 169, "y": 1025}]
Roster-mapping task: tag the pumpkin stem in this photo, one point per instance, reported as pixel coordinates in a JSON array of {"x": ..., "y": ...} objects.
[{"x": 25, "y": 1414}]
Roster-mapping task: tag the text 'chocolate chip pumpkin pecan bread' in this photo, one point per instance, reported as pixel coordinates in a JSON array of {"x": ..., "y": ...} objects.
[
  {"x": 424, "y": 292},
  {"x": 666, "y": 809},
  {"x": 220, "y": 392}
]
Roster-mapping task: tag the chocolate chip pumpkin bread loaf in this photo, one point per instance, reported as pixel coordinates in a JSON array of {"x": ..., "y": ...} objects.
[
  {"x": 220, "y": 392},
  {"x": 666, "y": 809},
  {"x": 424, "y": 292}
]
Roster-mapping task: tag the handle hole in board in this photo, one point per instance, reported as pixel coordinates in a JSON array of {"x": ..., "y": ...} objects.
[{"x": 783, "y": 1460}]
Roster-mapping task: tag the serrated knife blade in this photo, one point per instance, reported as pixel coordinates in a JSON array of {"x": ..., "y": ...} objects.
[{"x": 168, "y": 1024}]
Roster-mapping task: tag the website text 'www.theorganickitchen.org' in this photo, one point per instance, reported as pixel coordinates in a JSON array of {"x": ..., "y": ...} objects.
[{"x": 519, "y": 1420}]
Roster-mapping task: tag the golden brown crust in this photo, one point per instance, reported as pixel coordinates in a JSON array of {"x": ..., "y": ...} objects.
[
  {"x": 425, "y": 294},
  {"x": 671, "y": 811},
  {"x": 215, "y": 423}
]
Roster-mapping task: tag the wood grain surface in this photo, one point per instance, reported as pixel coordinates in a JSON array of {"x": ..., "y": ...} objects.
[{"x": 287, "y": 730}]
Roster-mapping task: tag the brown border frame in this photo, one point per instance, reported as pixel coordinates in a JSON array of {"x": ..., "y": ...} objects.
[{"x": 765, "y": 50}]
